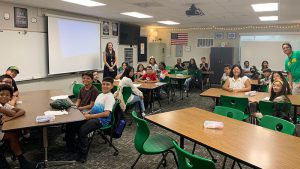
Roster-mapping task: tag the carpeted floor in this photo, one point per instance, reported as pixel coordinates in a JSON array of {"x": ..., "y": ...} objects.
[{"x": 101, "y": 155}]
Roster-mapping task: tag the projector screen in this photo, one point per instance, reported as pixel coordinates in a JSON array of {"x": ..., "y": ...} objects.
[{"x": 73, "y": 45}]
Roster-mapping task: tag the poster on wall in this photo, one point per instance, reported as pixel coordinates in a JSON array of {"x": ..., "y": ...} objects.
[
  {"x": 105, "y": 28},
  {"x": 21, "y": 18},
  {"x": 115, "y": 29}
]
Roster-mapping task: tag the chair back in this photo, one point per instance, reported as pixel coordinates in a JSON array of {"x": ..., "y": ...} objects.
[
  {"x": 265, "y": 88},
  {"x": 229, "y": 112},
  {"x": 127, "y": 91},
  {"x": 270, "y": 108},
  {"x": 172, "y": 71},
  {"x": 240, "y": 103},
  {"x": 165, "y": 80},
  {"x": 76, "y": 89},
  {"x": 142, "y": 133},
  {"x": 278, "y": 124},
  {"x": 98, "y": 86},
  {"x": 187, "y": 160}
]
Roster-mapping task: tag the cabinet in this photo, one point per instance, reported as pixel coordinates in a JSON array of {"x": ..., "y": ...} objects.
[
  {"x": 220, "y": 56},
  {"x": 157, "y": 49}
]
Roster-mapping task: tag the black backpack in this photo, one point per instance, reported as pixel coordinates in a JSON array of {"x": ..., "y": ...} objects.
[{"x": 61, "y": 104}]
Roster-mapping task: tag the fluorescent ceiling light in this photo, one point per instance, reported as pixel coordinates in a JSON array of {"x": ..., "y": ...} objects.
[
  {"x": 265, "y": 7},
  {"x": 268, "y": 18},
  {"x": 136, "y": 15},
  {"x": 88, "y": 3},
  {"x": 169, "y": 22}
]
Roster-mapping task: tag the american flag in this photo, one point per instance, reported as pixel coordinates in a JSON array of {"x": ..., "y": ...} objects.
[{"x": 179, "y": 38}]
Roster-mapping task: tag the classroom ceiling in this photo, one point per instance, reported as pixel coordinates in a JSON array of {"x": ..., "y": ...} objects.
[{"x": 217, "y": 12}]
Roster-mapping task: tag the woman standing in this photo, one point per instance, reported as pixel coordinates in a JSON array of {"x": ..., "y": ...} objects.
[{"x": 110, "y": 61}]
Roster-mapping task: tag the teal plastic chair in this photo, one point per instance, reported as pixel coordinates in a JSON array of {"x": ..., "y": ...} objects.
[
  {"x": 278, "y": 124},
  {"x": 240, "y": 103},
  {"x": 76, "y": 89},
  {"x": 229, "y": 112},
  {"x": 190, "y": 161},
  {"x": 151, "y": 144},
  {"x": 98, "y": 86},
  {"x": 269, "y": 108},
  {"x": 265, "y": 88}
]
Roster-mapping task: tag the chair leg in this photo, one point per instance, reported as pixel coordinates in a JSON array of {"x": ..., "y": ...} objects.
[
  {"x": 163, "y": 158},
  {"x": 136, "y": 161},
  {"x": 194, "y": 148},
  {"x": 239, "y": 164},
  {"x": 173, "y": 153},
  {"x": 111, "y": 145},
  {"x": 233, "y": 164},
  {"x": 213, "y": 158},
  {"x": 224, "y": 162}
]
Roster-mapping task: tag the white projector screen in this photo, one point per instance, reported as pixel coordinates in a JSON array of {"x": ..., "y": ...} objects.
[{"x": 73, "y": 45}]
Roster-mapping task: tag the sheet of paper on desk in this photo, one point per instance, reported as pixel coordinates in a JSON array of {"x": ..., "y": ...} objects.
[
  {"x": 160, "y": 83},
  {"x": 55, "y": 113},
  {"x": 59, "y": 97},
  {"x": 137, "y": 85}
]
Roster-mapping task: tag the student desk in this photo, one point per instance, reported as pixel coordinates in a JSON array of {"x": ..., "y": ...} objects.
[
  {"x": 35, "y": 103},
  {"x": 180, "y": 79},
  {"x": 251, "y": 144},
  {"x": 217, "y": 92}
]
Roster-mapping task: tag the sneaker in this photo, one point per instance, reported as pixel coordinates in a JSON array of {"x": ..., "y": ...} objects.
[{"x": 143, "y": 114}]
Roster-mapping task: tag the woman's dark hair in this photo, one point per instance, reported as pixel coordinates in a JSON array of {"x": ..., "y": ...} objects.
[
  {"x": 288, "y": 44},
  {"x": 192, "y": 66},
  {"x": 124, "y": 63},
  {"x": 238, "y": 66},
  {"x": 285, "y": 82},
  {"x": 163, "y": 65},
  {"x": 282, "y": 92},
  {"x": 126, "y": 73},
  {"x": 8, "y": 88},
  {"x": 138, "y": 67},
  {"x": 262, "y": 65},
  {"x": 107, "y": 50}
]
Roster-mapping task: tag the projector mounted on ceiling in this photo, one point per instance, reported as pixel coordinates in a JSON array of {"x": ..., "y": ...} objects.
[{"x": 193, "y": 11}]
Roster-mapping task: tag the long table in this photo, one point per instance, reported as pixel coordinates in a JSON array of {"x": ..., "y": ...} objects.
[
  {"x": 251, "y": 144},
  {"x": 217, "y": 92},
  {"x": 35, "y": 103}
]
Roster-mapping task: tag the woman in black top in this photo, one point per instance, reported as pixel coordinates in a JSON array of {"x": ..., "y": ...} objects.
[{"x": 110, "y": 61}]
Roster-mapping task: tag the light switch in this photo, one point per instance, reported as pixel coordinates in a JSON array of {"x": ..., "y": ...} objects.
[{"x": 6, "y": 16}]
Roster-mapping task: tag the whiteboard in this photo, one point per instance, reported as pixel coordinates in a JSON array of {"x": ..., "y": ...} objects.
[
  {"x": 104, "y": 41},
  {"x": 26, "y": 50}
]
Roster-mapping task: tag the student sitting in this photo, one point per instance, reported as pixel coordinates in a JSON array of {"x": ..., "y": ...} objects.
[
  {"x": 95, "y": 77},
  {"x": 152, "y": 63},
  {"x": 13, "y": 71},
  {"x": 87, "y": 94},
  {"x": 179, "y": 66},
  {"x": 191, "y": 68},
  {"x": 226, "y": 73},
  {"x": 264, "y": 65},
  {"x": 254, "y": 75},
  {"x": 149, "y": 77},
  {"x": 163, "y": 71},
  {"x": 278, "y": 94},
  {"x": 7, "y": 113},
  {"x": 136, "y": 96},
  {"x": 7, "y": 79},
  {"x": 246, "y": 68},
  {"x": 267, "y": 77},
  {"x": 277, "y": 75},
  {"x": 121, "y": 70},
  {"x": 98, "y": 116},
  {"x": 236, "y": 81},
  {"x": 140, "y": 71}
]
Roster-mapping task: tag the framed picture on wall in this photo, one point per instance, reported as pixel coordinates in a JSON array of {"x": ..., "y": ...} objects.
[
  {"x": 21, "y": 17},
  {"x": 219, "y": 35},
  {"x": 105, "y": 28},
  {"x": 115, "y": 29},
  {"x": 231, "y": 35}
]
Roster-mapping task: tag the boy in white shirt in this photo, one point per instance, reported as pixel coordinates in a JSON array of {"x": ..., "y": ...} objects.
[{"x": 226, "y": 73}]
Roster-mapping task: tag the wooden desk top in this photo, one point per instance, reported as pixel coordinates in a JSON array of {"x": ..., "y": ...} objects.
[
  {"x": 217, "y": 92},
  {"x": 174, "y": 76},
  {"x": 35, "y": 103},
  {"x": 254, "y": 145},
  {"x": 150, "y": 86}
]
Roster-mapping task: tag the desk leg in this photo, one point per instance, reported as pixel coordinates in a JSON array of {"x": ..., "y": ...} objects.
[
  {"x": 182, "y": 142},
  {"x": 45, "y": 144}
]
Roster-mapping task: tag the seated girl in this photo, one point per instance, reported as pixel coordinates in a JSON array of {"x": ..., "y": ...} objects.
[
  {"x": 136, "y": 96},
  {"x": 277, "y": 75},
  {"x": 140, "y": 71},
  {"x": 121, "y": 70},
  {"x": 163, "y": 71},
  {"x": 237, "y": 82},
  {"x": 152, "y": 63}
]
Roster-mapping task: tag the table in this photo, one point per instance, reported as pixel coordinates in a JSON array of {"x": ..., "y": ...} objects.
[
  {"x": 251, "y": 144},
  {"x": 217, "y": 92},
  {"x": 35, "y": 103},
  {"x": 181, "y": 79}
]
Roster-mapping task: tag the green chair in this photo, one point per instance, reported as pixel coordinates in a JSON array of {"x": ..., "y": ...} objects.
[
  {"x": 240, "y": 103},
  {"x": 190, "y": 161},
  {"x": 168, "y": 68},
  {"x": 172, "y": 71},
  {"x": 76, "y": 89},
  {"x": 278, "y": 124},
  {"x": 98, "y": 86},
  {"x": 151, "y": 144},
  {"x": 265, "y": 88},
  {"x": 269, "y": 108},
  {"x": 229, "y": 112},
  {"x": 127, "y": 91}
]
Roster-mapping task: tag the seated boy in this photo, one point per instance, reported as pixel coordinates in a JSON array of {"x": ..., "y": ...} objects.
[
  {"x": 9, "y": 112},
  {"x": 267, "y": 77},
  {"x": 149, "y": 77},
  {"x": 87, "y": 94},
  {"x": 13, "y": 71},
  {"x": 226, "y": 73},
  {"x": 98, "y": 116},
  {"x": 7, "y": 79}
]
